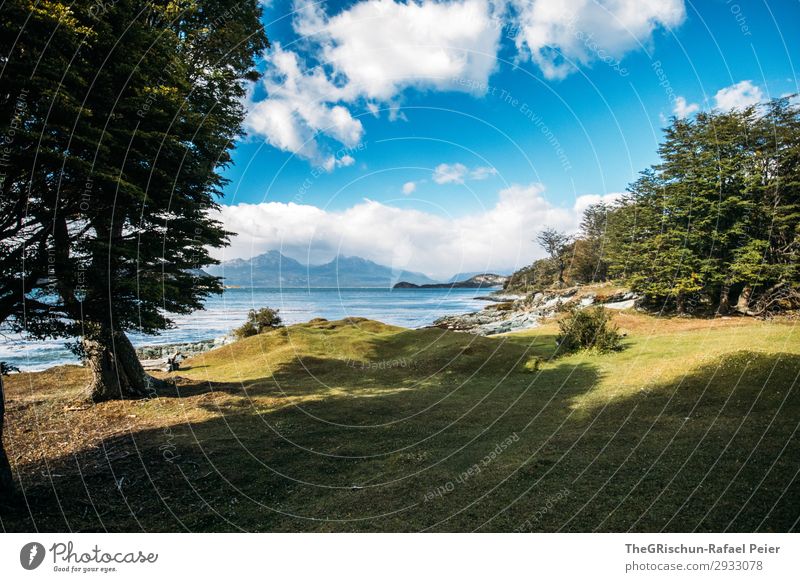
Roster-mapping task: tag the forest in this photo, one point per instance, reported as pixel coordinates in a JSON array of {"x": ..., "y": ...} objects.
[{"x": 711, "y": 229}]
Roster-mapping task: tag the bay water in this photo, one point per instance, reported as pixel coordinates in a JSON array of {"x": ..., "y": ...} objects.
[{"x": 411, "y": 308}]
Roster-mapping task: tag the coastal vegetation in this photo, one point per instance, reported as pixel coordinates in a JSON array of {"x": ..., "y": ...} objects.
[
  {"x": 714, "y": 227},
  {"x": 586, "y": 329},
  {"x": 258, "y": 321}
]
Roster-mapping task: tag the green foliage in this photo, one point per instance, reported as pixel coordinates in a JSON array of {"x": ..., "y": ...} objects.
[
  {"x": 532, "y": 365},
  {"x": 720, "y": 212},
  {"x": 715, "y": 224},
  {"x": 535, "y": 277},
  {"x": 557, "y": 245},
  {"x": 124, "y": 116},
  {"x": 258, "y": 321},
  {"x": 591, "y": 328},
  {"x": 587, "y": 261}
]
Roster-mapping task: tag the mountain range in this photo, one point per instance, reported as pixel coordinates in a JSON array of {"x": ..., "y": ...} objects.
[{"x": 273, "y": 269}]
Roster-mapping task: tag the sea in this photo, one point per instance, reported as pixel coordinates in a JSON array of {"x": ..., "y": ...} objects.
[{"x": 411, "y": 308}]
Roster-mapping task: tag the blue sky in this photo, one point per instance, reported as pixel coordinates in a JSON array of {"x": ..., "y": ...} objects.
[{"x": 511, "y": 114}]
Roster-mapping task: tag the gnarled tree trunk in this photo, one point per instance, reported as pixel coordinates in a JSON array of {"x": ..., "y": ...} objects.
[
  {"x": 680, "y": 304},
  {"x": 6, "y": 480},
  {"x": 743, "y": 304},
  {"x": 724, "y": 307},
  {"x": 116, "y": 371}
]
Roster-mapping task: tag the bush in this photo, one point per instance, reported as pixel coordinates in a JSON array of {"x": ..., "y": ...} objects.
[
  {"x": 583, "y": 329},
  {"x": 258, "y": 321}
]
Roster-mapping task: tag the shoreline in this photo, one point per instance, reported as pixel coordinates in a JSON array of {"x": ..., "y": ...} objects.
[
  {"x": 505, "y": 312},
  {"x": 514, "y": 312}
]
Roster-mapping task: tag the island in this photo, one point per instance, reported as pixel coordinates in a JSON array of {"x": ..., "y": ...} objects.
[{"x": 475, "y": 282}]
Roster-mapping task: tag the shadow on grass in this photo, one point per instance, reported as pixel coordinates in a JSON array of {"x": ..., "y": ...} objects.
[{"x": 462, "y": 440}]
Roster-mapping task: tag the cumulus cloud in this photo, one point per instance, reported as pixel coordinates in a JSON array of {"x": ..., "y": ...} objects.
[
  {"x": 299, "y": 108},
  {"x": 368, "y": 54},
  {"x": 587, "y": 200},
  {"x": 365, "y": 56},
  {"x": 682, "y": 109},
  {"x": 559, "y": 36},
  {"x": 500, "y": 237},
  {"x": 409, "y": 187},
  {"x": 383, "y": 46},
  {"x": 449, "y": 173},
  {"x": 738, "y": 96}
]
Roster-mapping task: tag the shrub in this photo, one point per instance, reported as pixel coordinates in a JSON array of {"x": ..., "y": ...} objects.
[
  {"x": 258, "y": 321},
  {"x": 583, "y": 329},
  {"x": 532, "y": 365}
]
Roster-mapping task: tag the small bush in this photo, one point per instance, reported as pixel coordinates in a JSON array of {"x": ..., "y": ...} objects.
[
  {"x": 258, "y": 321},
  {"x": 532, "y": 365},
  {"x": 583, "y": 329}
]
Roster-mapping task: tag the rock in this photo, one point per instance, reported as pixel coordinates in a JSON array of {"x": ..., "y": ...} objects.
[
  {"x": 527, "y": 312},
  {"x": 627, "y": 304}
]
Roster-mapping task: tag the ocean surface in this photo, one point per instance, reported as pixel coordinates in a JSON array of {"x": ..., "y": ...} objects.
[{"x": 404, "y": 307}]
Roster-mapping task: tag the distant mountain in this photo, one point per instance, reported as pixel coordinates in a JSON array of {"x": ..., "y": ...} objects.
[
  {"x": 474, "y": 282},
  {"x": 273, "y": 269}
]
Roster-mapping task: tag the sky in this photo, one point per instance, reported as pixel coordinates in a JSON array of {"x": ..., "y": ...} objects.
[{"x": 441, "y": 136}]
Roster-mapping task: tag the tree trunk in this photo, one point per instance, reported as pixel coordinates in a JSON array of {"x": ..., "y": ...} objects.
[
  {"x": 680, "y": 304},
  {"x": 6, "y": 480},
  {"x": 743, "y": 304},
  {"x": 724, "y": 307},
  {"x": 116, "y": 371}
]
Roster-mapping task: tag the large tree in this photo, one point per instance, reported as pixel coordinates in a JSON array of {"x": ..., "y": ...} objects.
[{"x": 123, "y": 115}]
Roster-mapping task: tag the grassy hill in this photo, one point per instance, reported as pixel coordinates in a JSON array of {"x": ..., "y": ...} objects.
[{"x": 359, "y": 426}]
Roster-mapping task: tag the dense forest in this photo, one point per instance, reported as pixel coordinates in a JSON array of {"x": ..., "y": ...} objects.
[{"x": 713, "y": 228}]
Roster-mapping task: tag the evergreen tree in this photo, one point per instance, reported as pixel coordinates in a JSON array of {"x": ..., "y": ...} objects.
[
  {"x": 715, "y": 223},
  {"x": 118, "y": 119}
]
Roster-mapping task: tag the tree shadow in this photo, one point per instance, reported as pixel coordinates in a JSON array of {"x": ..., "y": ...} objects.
[{"x": 464, "y": 440}]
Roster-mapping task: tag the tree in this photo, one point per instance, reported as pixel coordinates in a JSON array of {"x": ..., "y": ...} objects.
[
  {"x": 6, "y": 480},
  {"x": 588, "y": 262},
  {"x": 117, "y": 119},
  {"x": 555, "y": 244},
  {"x": 259, "y": 321},
  {"x": 120, "y": 194},
  {"x": 716, "y": 222}
]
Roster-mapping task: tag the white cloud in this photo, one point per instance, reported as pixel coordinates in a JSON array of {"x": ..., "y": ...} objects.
[
  {"x": 366, "y": 55},
  {"x": 383, "y": 46},
  {"x": 482, "y": 172},
  {"x": 499, "y": 237},
  {"x": 560, "y": 35},
  {"x": 409, "y": 188},
  {"x": 738, "y": 96},
  {"x": 345, "y": 160},
  {"x": 299, "y": 108},
  {"x": 371, "y": 51},
  {"x": 449, "y": 173},
  {"x": 458, "y": 173},
  {"x": 683, "y": 109},
  {"x": 587, "y": 200}
]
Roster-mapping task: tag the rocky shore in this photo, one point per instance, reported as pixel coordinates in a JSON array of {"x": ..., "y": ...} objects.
[
  {"x": 517, "y": 312},
  {"x": 155, "y": 357}
]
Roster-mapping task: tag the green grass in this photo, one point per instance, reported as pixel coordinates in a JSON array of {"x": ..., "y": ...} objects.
[{"x": 360, "y": 426}]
